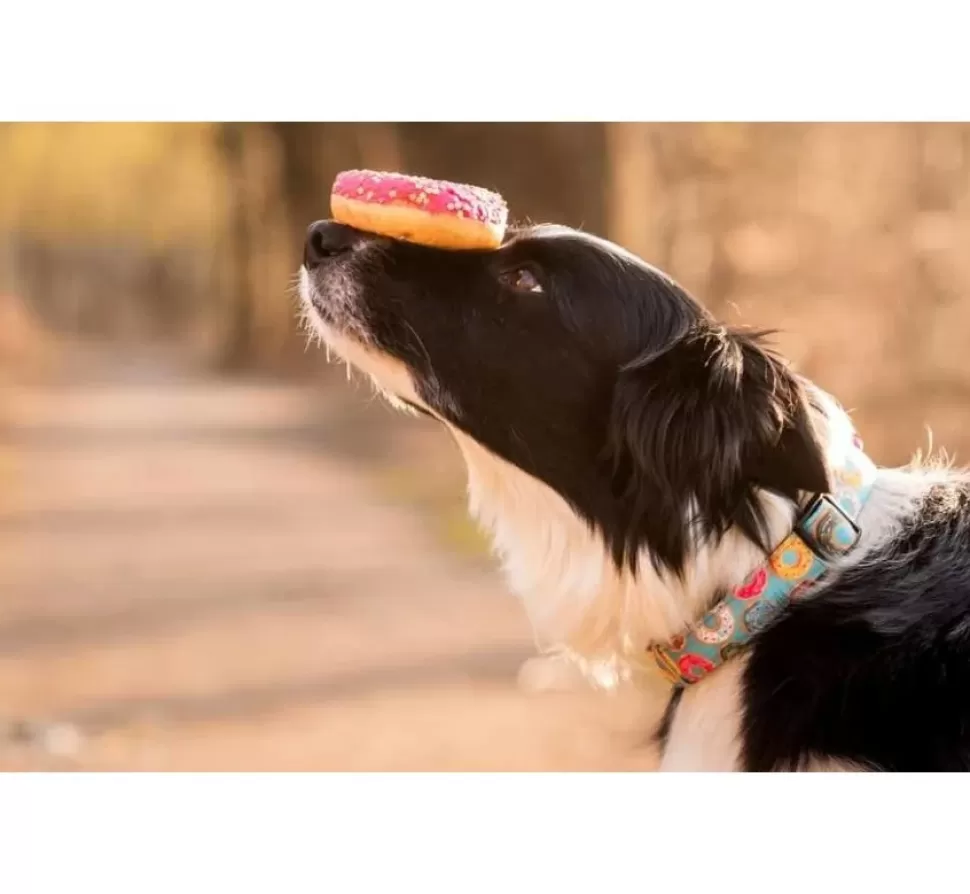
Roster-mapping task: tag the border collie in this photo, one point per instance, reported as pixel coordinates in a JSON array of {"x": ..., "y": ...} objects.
[{"x": 643, "y": 470}]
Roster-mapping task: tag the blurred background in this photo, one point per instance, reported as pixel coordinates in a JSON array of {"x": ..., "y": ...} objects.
[{"x": 217, "y": 554}]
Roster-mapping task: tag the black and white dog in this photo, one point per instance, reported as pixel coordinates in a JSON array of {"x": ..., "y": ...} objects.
[{"x": 635, "y": 461}]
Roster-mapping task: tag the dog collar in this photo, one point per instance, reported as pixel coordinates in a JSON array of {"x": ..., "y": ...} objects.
[{"x": 824, "y": 531}]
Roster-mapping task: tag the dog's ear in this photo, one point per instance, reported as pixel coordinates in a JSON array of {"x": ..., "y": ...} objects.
[{"x": 698, "y": 425}]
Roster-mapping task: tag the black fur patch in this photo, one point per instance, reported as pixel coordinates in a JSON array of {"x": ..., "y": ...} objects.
[
  {"x": 875, "y": 669},
  {"x": 701, "y": 424},
  {"x": 613, "y": 385}
]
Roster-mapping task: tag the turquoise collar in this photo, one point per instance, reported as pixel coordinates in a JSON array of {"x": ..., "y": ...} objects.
[{"x": 825, "y": 531}]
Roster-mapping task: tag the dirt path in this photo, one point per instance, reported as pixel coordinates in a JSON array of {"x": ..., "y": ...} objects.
[{"x": 193, "y": 577}]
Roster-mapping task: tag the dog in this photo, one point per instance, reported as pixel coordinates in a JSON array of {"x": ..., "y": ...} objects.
[{"x": 668, "y": 497}]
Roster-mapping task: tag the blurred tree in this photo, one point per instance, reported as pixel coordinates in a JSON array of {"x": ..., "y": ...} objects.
[{"x": 238, "y": 281}]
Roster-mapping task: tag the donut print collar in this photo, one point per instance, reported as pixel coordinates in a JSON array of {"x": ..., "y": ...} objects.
[{"x": 825, "y": 531}]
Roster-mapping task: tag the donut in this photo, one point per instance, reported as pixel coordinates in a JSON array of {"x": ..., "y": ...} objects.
[
  {"x": 792, "y": 559},
  {"x": 417, "y": 209},
  {"x": 717, "y": 627}
]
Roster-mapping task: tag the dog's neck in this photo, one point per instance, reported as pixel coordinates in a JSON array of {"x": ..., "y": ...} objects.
[{"x": 577, "y": 598}]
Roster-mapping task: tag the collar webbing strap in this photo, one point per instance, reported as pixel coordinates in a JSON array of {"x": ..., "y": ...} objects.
[{"x": 825, "y": 531}]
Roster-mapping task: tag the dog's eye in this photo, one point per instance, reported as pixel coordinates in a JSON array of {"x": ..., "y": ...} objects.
[{"x": 522, "y": 280}]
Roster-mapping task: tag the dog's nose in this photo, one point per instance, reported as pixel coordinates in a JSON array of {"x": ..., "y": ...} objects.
[{"x": 324, "y": 239}]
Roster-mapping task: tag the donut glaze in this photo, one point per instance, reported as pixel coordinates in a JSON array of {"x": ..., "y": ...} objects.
[{"x": 419, "y": 209}]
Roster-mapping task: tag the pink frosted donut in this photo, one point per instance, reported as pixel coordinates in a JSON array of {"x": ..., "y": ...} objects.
[{"x": 418, "y": 209}]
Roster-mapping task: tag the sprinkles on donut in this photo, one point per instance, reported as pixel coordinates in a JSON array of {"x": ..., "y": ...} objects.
[{"x": 430, "y": 212}]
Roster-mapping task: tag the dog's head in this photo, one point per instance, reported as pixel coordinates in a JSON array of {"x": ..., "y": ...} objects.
[{"x": 583, "y": 367}]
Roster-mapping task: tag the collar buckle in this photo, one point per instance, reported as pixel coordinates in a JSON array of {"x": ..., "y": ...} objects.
[{"x": 827, "y": 529}]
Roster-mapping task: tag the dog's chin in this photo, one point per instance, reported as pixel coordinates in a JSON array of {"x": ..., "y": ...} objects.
[
  {"x": 329, "y": 300},
  {"x": 328, "y": 309}
]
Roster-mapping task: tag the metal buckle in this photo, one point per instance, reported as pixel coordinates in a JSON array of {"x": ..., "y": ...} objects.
[{"x": 827, "y": 529}]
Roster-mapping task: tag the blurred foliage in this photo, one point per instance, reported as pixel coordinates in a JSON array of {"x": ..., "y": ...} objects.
[
  {"x": 848, "y": 238},
  {"x": 158, "y": 182}
]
